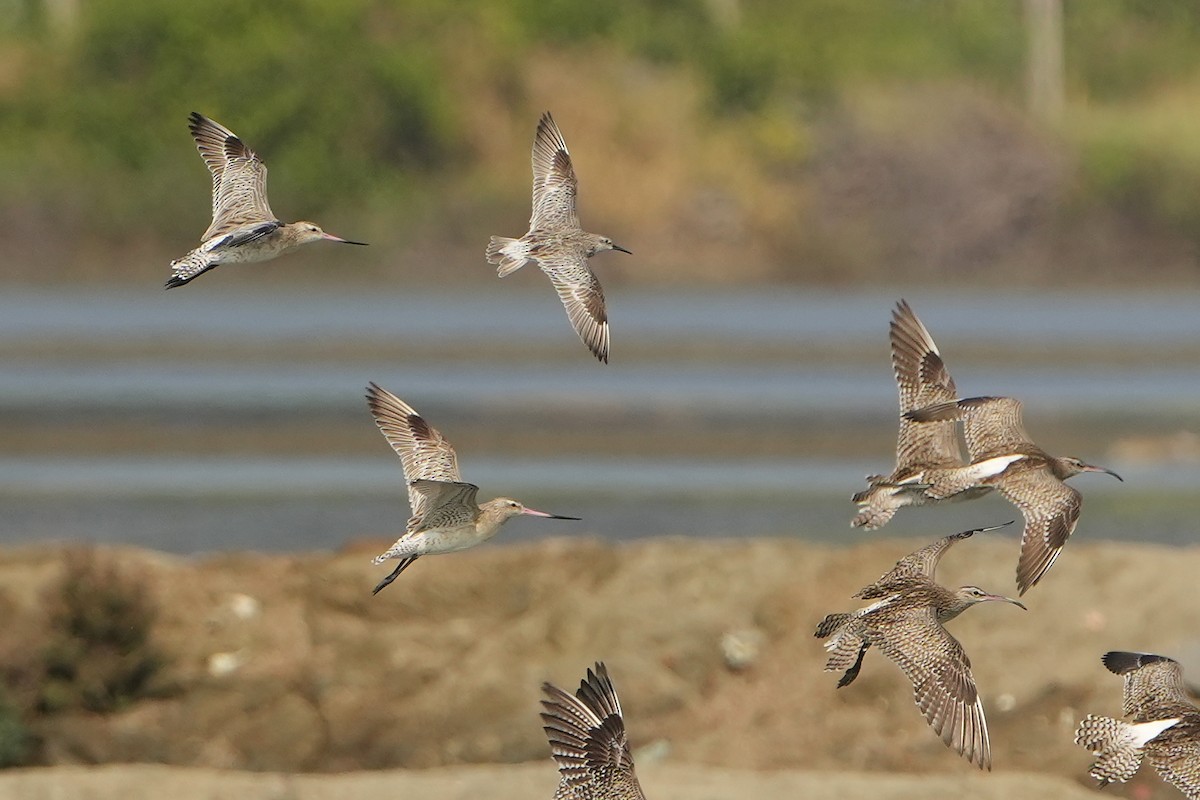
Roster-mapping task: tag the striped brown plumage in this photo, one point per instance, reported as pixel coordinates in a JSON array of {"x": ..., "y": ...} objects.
[
  {"x": 588, "y": 740},
  {"x": 1164, "y": 724},
  {"x": 906, "y": 622},
  {"x": 556, "y": 241},
  {"x": 244, "y": 228},
  {"x": 1003, "y": 456},
  {"x": 445, "y": 516},
  {"x": 923, "y": 450}
]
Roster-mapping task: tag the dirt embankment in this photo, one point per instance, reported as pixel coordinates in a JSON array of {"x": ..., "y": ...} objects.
[{"x": 288, "y": 664}]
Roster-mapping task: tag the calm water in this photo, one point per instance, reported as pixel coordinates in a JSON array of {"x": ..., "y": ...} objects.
[{"x": 207, "y": 358}]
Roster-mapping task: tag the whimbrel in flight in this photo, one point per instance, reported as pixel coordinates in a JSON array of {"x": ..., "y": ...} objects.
[
  {"x": 244, "y": 228},
  {"x": 445, "y": 517},
  {"x": 923, "y": 451},
  {"x": 1005, "y": 458},
  {"x": 1165, "y": 725},
  {"x": 556, "y": 241},
  {"x": 588, "y": 741},
  {"x": 906, "y": 622}
]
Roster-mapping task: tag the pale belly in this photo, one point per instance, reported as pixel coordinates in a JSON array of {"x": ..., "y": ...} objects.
[{"x": 449, "y": 540}]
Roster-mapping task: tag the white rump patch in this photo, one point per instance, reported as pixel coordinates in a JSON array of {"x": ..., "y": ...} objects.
[
  {"x": 992, "y": 467},
  {"x": 1143, "y": 732}
]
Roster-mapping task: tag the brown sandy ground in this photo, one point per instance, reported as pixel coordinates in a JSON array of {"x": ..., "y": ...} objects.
[
  {"x": 514, "y": 782},
  {"x": 288, "y": 664}
]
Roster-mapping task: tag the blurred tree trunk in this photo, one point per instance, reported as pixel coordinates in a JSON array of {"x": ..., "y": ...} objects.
[
  {"x": 62, "y": 16},
  {"x": 1044, "y": 26}
]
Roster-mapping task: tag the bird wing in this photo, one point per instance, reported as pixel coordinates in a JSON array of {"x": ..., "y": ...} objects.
[
  {"x": 444, "y": 504},
  {"x": 554, "y": 183},
  {"x": 919, "y": 564},
  {"x": 582, "y": 297},
  {"x": 1154, "y": 687},
  {"x": 1175, "y": 754},
  {"x": 424, "y": 452},
  {"x": 940, "y": 671},
  {"x": 923, "y": 380},
  {"x": 588, "y": 740},
  {"x": 1051, "y": 510},
  {"x": 239, "y": 177},
  {"x": 210, "y": 139},
  {"x": 992, "y": 426}
]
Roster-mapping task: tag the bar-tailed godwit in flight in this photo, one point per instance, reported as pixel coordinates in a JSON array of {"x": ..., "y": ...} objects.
[
  {"x": 445, "y": 517},
  {"x": 906, "y": 622},
  {"x": 244, "y": 228},
  {"x": 588, "y": 741},
  {"x": 557, "y": 242},
  {"x": 1165, "y": 725}
]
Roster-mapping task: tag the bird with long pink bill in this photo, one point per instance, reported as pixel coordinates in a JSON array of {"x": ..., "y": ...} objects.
[
  {"x": 445, "y": 516},
  {"x": 244, "y": 228}
]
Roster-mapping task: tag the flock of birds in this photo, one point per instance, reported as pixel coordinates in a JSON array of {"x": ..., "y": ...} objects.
[{"x": 905, "y": 618}]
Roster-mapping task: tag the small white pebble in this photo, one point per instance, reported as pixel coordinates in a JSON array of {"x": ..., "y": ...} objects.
[
  {"x": 244, "y": 606},
  {"x": 1006, "y": 702},
  {"x": 741, "y": 648},
  {"x": 222, "y": 664}
]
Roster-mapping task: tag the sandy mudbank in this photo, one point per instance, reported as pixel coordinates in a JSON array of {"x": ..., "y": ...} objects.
[
  {"x": 288, "y": 664},
  {"x": 515, "y": 782}
]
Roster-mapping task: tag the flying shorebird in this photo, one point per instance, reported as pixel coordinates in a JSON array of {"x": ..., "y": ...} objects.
[
  {"x": 922, "y": 450},
  {"x": 1005, "y": 458},
  {"x": 906, "y": 622},
  {"x": 1165, "y": 726},
  {"x": 588, "y": 741},
  {"x": 445, "y": 517},
  {"x": 556, "y": 241},
  {"x": 244, "y": 228}
]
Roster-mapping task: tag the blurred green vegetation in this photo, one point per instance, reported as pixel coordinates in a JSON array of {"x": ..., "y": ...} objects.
[
  {"x": 99, "y": 653},
  {"x": 367, "y": 105}
]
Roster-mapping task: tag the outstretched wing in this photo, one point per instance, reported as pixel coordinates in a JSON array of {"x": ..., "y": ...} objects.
[
  {"x": 943, "y": 687},
  {"x": 424, "y": 452},
  {"x": 919, "y": 564},
  {"x": 587, "y": 738},
  {"x": 554, "y": 184},
  {"x": 1154, "y": 687},
  {"x": 1051, "y": 511},
  {"x": 239, "y": 177},
  {"x": 922, "y": 380},
  {"x": 583, "y": 299}
]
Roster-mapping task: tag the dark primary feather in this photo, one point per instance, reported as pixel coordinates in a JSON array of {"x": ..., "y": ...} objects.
[{"x": 587, "y": 738}]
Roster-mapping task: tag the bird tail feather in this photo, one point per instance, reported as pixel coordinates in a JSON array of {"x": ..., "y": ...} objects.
[
  {"x": 1117, "y": 745},
  {"x": 193, "y": 264},
  {"x": 509, "y": 254}
]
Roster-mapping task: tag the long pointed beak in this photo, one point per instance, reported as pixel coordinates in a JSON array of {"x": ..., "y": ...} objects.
[
  {"x": 534, "y": 513},
  {"x": 1016, "y": 603},
  {"x": 333, "y": 238},
  {"x": 622, "y": 249},
  {"x": 1090, "y": 468}
]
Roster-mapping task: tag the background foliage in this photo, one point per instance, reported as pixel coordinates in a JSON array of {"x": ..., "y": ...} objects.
[{"x": 393, "y": 112}]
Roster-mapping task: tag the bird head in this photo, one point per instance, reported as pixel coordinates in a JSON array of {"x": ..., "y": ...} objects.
[
  {"x": 1070, "y": 465},
  {"x": 506, "y": 508},
  {"x": 968, "y": 596},
  {"x": 600, "y": 243},
  {"x": 306, "y": 232}
]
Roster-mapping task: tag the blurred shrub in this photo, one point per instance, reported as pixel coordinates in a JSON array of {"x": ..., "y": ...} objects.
[
  {"x": 16, "y": 740},
  {"x": 99, "y": 653}
]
